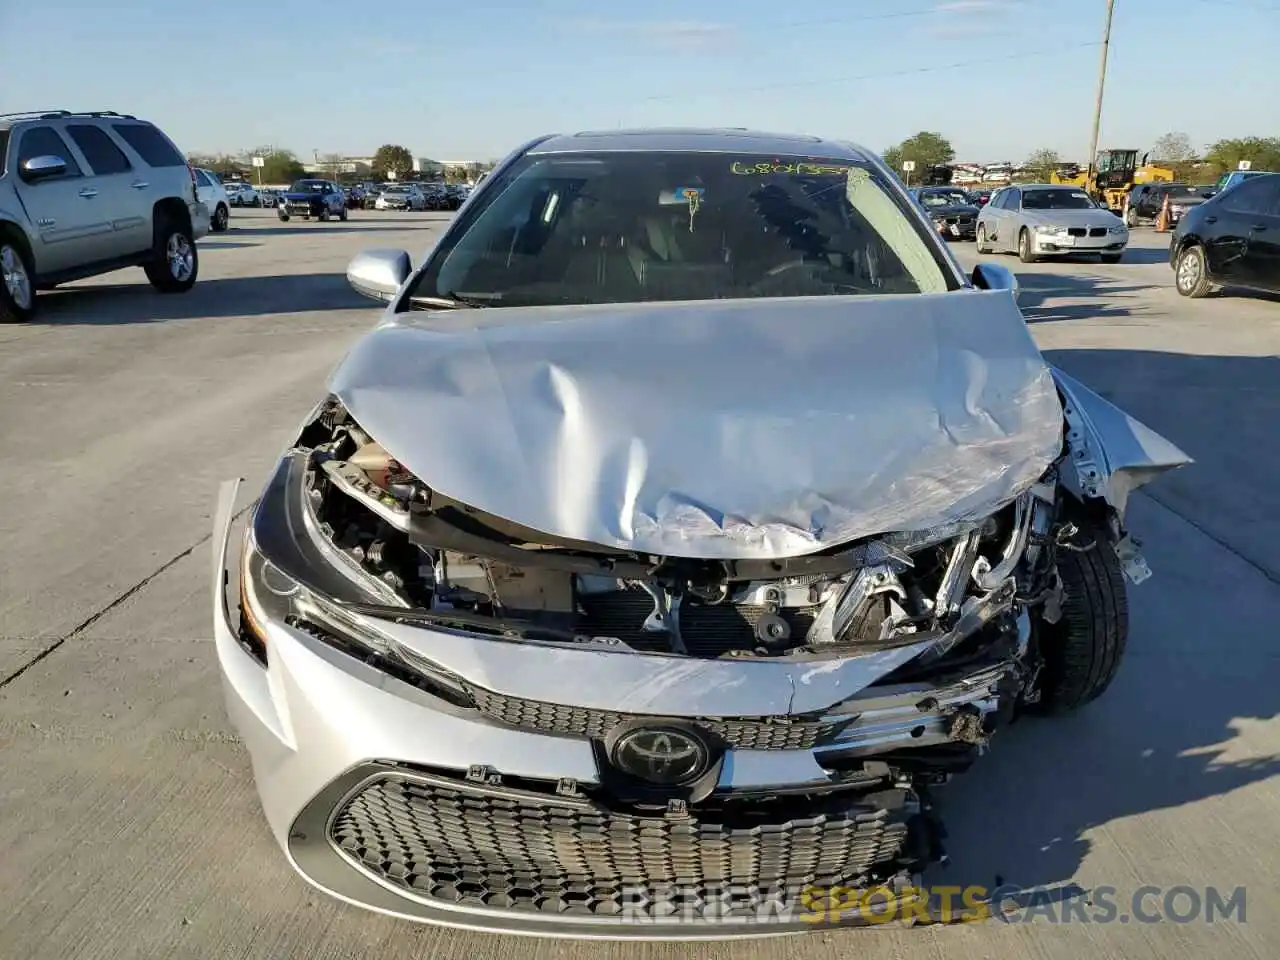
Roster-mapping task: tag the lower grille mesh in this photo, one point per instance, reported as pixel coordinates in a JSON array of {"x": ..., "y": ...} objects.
[{"x": 452, "y": 841}]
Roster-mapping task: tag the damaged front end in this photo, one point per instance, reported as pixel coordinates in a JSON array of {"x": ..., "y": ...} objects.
[{"x": 752, "y": 728}]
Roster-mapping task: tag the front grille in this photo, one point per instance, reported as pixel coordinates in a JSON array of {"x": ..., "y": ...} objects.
[
  {"x": 959, "y": 221},
  {"x": 739, "y": 733},
  {"x": 1097, "y": 231},
  {"x": 1076, "y": 231},
  {"x": 450, "y": 840},
  {"x": 707, "y": 630}
]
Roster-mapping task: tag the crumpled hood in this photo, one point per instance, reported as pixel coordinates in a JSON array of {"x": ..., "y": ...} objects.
[{"x": 733, "y": 429}]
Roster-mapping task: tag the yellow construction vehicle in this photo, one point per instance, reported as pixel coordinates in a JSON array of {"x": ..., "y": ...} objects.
[{"x": 1113, "y": 176}]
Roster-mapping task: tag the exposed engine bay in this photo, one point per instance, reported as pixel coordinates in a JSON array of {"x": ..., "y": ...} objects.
[{"x": 960, "y": 585}]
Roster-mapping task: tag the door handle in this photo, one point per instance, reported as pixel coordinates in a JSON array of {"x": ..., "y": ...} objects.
[
  {"x": 1259, "y": 227},
  {"x": 88, "y": 193},
  {"x": 1210, "y": 219},
  {"x": 140, "y": 185}
]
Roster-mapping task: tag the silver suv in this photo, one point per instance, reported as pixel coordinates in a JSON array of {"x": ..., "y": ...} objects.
[{"x": 85, "y": 193}]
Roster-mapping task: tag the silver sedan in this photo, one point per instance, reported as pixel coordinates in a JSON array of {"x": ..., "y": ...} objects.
[{"x": 1039, "y": 220}]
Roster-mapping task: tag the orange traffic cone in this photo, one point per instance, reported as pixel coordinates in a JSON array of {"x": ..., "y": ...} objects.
[{"x": 1162, "y": 221}]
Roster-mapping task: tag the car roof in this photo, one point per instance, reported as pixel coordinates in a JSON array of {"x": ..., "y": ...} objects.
[{"x": 701, "y": 139}]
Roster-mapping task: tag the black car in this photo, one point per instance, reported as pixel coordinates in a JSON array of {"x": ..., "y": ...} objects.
[
  {"x": 1232, "y": 239},
  {"x": 1146, "y": 200},
  {"x": 321, "y": 199},
  {"x": 953, "y": 215}
]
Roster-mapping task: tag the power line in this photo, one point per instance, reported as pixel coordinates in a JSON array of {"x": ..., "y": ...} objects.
[{"x": 831, "y": 81}]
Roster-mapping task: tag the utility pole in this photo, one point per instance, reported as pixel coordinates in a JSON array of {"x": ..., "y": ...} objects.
[{"x": 1102, "y": 82}]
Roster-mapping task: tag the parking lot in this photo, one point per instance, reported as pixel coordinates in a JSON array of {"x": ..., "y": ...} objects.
[{"x": 129, "y": 826}]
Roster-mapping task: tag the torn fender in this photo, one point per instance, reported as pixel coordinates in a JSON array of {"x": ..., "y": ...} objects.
[{"x": 1111, "y": 453}]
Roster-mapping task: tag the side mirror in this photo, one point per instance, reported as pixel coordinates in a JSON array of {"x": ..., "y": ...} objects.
[
  {"x": 992, "y": 276},
  {"x": 379, "y": 274},
  {"x": 38, "y": 168}
]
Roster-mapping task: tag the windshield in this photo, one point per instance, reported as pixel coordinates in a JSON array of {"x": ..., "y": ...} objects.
[
  {"x": 943, "y": 198},
  {"x": 645, "y": 226},
  {"x": 1056, "y": 200},
  {"x": 309, "y": 186}
]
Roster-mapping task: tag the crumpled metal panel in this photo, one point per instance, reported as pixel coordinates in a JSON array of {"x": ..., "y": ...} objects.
[
  {"x": 1114, "y": 454},
  {"x": 735, "y": 429}
]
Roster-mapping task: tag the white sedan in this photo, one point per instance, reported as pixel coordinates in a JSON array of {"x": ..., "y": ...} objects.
[{"x": 1036, "y": 221}]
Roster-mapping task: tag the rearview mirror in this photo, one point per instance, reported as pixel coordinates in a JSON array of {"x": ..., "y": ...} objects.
[
  {"x": 992, "y": 276},
  {"x": 379, "y": 274},
  {"x": 37, "y": 168}
]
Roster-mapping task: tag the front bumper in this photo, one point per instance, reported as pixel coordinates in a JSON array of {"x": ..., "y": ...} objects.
[
  {"x": 957, "y": 228},
  {"x": 494, "y": 816},
  {"x": 1051, "y": 244}
]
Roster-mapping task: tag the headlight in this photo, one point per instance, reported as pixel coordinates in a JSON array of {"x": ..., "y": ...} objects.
[
  {"x": 1050, "y": 229},
  {"x": 1118, "y": 230}
]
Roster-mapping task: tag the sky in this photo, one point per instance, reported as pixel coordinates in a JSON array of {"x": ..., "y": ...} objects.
[{"x": 473, "y": 80}]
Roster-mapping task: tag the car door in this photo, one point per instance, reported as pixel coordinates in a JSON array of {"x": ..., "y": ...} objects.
[
  {"x": 1226, "y": 229},
  {"x": 124, "y": 208},
  {"x": 1010, "y": 201},
  {"x": 1262, "y": 255},
  {"x": 62, "y": 208}
]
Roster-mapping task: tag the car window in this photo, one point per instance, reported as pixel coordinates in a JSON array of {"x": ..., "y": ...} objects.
[
  {"x": 99, "y": 149},
  {"x": 4, "y": 149},
  {"x": 1009, "y": 200},
  {"x": 46, "y": 142},
  {"x": 206, "y": 178},
  {"x": 1056, "y": 200},
  {"x": 1255, "y": 195},
  {"x": 653, "y": 226},
  {"x": 150, "y": 144}
]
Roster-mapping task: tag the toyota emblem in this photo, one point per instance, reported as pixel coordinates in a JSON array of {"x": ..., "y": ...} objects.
[{"x": 666, "y": 756}]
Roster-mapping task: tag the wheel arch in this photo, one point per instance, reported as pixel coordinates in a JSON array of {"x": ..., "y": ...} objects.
[
  {"x": 170, "y": 209},
  {"x": 12, "y": 228}
]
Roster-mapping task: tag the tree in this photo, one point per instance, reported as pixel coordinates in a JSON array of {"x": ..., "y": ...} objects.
[
  {"x": 925, "y": 148},
  {"x": 1262, "y": 152},
  {"x": 392, "y": 158},
  {"x": 280, "y": 166},
  {"x": 1042, "y": 164},
  {"x": 1174, "y": 150}
]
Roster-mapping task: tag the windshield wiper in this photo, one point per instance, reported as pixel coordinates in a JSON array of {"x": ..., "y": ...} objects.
[{"x": 456, "y": 301}]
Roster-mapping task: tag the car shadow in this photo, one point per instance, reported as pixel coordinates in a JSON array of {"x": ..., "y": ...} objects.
[
  {"x": 1179, "y": 725},
  {"x": 98, "y": 305},
  {"x": 219, "y": 244},
  {"x": 1139, "y": 255},
  {"x": 1057, "y": 296}
]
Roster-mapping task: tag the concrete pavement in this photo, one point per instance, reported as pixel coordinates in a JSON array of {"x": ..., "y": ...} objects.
[{"x": 128, "y": 823}]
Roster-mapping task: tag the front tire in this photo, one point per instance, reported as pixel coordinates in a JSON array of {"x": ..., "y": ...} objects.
[
  {"x": 1083, "y": 650},
  {"x": 1191, "y": 275},
  {"x": 221, "y": 218},
  {"x": 324, "y": 215},
  {"x": 1131, "y": 218},
  {"x": 1025, "y": 251},
  {"x": 343, "y": 215},
  {"x": 284, "y": 217},
  {"x": 176, "y": 263},
  {"x": 17, "y": 284},
  {"x": 981, "y": 239}
]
